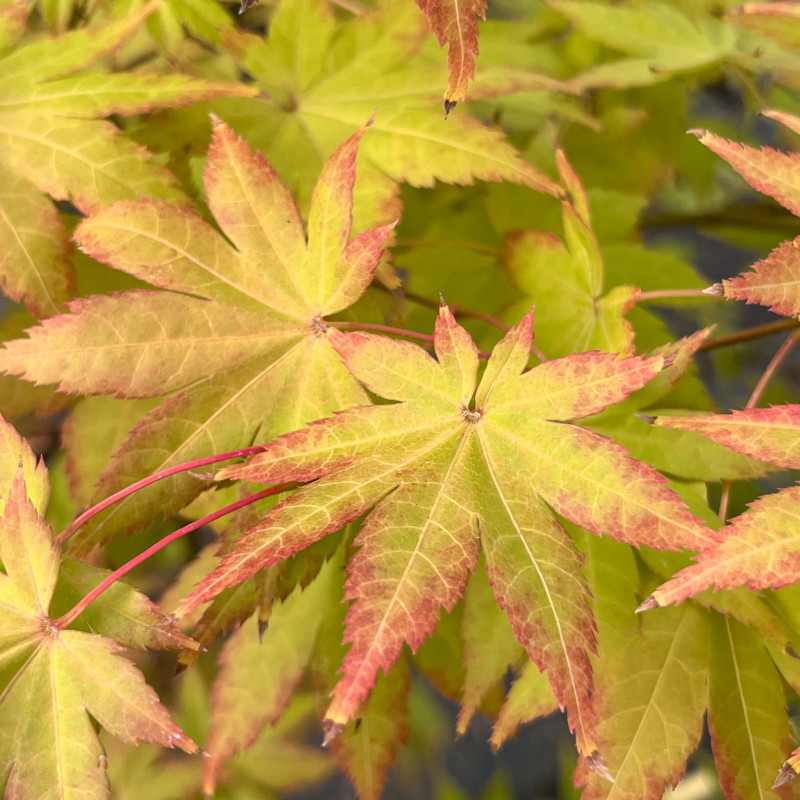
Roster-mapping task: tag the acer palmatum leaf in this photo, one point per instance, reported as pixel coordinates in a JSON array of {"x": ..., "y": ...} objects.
[
  {"x": 56, "y": 678},
  {"x": 651, "y": 705},
  {"x": 759, "y": 549},
  {"x": 768, "y": 434},
  {"x": 450, "y": 464},
  {"x": 239, "y": 336},
  {"x": 456, "y": 25},
  {"x": 767, "y": 170},
  {"x": 53, "y": 141}
]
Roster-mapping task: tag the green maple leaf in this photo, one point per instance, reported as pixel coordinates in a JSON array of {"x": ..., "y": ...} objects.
[
  {"x": 657, "y": 40},
  {"x": 750, "y": 731},
  {"x": 54, "y": 142},
  {"x": 564, "y": 279},
  {"x": 246, "y": 355},
  {"x": 651, "y": 701},
  {"x": 320, "y": 83},
  {"x": 450, "y": 466},
  {"x": 52, "y": 678}
]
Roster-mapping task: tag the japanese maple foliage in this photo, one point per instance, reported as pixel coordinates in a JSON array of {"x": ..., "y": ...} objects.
[
  {"x": 225, "y": 239},
  {"x": 456, "y": 461}
]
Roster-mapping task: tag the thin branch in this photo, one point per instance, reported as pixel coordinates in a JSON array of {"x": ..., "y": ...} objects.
[
  {"x": 780, "y": 356},
  {"x": 749, "y": 334},
  {"x": 459, "y": 311},
  {"x": 388, "y": 329},
  {"x": 675, "y": 294},
  {"x": 135, "y": 487},
  {"x": 71, "y": 615}
]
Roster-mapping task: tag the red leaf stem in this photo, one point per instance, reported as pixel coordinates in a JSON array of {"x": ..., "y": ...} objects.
[
  {"x": 156, "y": 476},
  {"x": 68, "y": 618}
]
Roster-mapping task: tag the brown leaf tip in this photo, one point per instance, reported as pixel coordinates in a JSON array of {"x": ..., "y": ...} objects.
[
  {"x": 263, "y": 624},
  {"x": 648, "y": 605},
  {"x": 646, "y": 418},
  {"x": 597, "y": 764},
  {"x": 246, "y": 4},
  {"x": 715, "y": 290},
  {"x": 449, "y": 105},
  {"x": 786, "y": 775},
  {"x": 331, "y": 730},
  {"x": 790, "y": 651}
]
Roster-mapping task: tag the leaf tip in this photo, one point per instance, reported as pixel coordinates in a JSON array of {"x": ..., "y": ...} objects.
[
  {"x": 715, "y": 290},
  {"x": 263, "y": 624},
  {"x": 650, "y": 420},
  {"x": 790, "y": 651},
  {"x": 698, "y": 132},
  {"x": 648, "y": 605},
  {"x": 597, "y": 764},
  {"x": 331, "y": 730},
  {"x": 449, "y": 105},
  {"x": 786, "y": 775}
]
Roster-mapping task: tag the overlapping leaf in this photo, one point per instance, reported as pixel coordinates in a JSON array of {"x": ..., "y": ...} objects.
[
  {"x": 775, "y": 280},
  {"x": 656, "y": 38},
  {"x": 53, "y": 679},
  {"x": 240, "y": 338},
  {"x": 652, "y": 715},
  {"x": 321, "y": 83},
  {"x": 455, "y": 24},
  {"x": 450, "y": 464},
  {"x": 54, "y": 142},
  {"x": 747, "y": 720},
  {"x": 564, "y": 279}
]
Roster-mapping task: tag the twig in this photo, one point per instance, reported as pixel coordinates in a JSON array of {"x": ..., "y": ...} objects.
[
  {"x": 748, "y": 334},
  {"x": 675, "y": 294},
  {"x": 770, "y": 370},
  {"x": 71, "y": 615},
  {"x": 135, "y": 487}
]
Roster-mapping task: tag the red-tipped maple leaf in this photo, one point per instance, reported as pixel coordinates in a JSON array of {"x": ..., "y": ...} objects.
[
  {"x": 455, "y": 24},
  {"x": 240, "y": 337},
  {"x": 455, "y": 462},
  {"x": 53, "y": 141},
  {"x": 53, "y": 679},
  {"x": 760, "y": 547},
  {"x": 775, "y": 280}
]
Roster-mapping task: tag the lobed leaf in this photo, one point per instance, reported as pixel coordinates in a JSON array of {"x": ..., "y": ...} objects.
[
  {"x": 769, "y": 434},
  {"x": 757, "y": 549},
  {"x": 449, "y": 464},
  {"x": 53, "y": 679},
  {"x": 651, "y": 706},
  {"x": 750, "y": 732},
  {"x": 246, "y": 353}
]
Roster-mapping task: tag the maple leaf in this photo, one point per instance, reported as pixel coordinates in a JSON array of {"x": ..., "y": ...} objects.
[
  {"x": 759, "y": 547},
  {"x": 54, "y": 678},
  {"x": 776, "y": 20},
  {"x": 775, "y": 280},
  {"x": 564, "y": 280},
  {"x": 750, "y": 731},
  {"x": 651, "y": 706},
  {"x": 657, "y": 39},
  {"x": 455, "y": 23},
  {"x": 246, "y": 355},
  {"x": 319, "y": 83},
  {"x": 250, "y": 692},
  {"x": 448, "y": 466},
  {"x": 52, "y": 142}
]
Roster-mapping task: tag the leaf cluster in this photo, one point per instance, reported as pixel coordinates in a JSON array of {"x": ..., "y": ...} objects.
[{"x": 380, "y": 397}]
